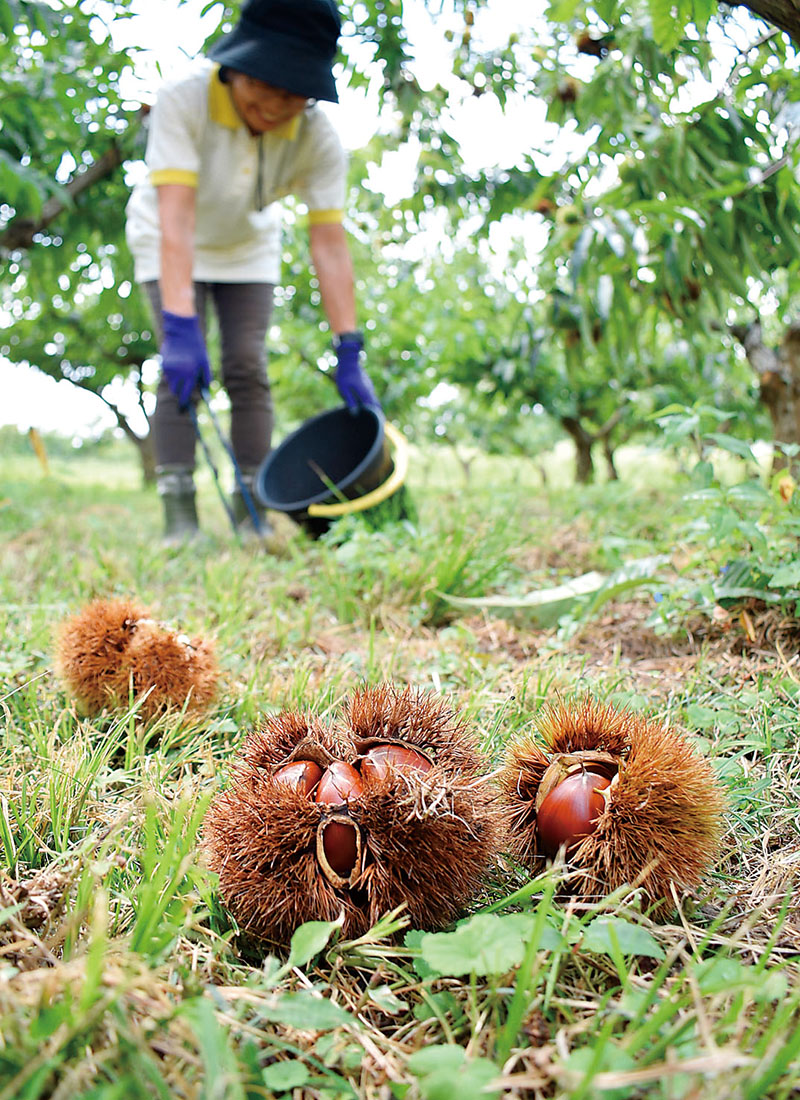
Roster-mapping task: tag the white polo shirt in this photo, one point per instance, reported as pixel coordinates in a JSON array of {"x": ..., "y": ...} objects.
[{"x": 197, "y": 138}]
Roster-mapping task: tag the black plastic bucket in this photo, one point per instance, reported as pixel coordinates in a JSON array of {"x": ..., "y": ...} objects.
[{"x": 331, "y": 460}]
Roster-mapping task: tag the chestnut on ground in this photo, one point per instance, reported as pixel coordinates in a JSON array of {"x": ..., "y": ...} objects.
[
  {"x": 113, "y": 646},
  {"x": 625, "y": 799},
  {"x": 378, "y": 827}
]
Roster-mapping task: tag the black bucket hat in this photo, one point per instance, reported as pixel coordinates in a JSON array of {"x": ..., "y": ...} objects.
[{"x": 290, "y": 44}]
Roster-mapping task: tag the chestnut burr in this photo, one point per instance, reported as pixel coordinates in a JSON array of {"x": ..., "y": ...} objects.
[
  {"x": 113, "y": 650},
  {"x": 404, "y": 814},
  {"x": 628, "y": 800}
]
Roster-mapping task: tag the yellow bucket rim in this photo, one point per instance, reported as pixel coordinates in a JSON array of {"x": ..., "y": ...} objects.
[{"x": 393, "y": 482}]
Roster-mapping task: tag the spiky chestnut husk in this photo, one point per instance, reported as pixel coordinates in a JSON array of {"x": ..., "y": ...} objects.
[
  {"x": 260, "y": 835},
  {"x": 427, "y": 838},
  {"x": 175, "y": 670},
  {"x": 90, "y": 652},
  {"x": 662, "y": 821},
  {"x": 431, "y": 836},
  {"x": 113, "y": 645},
  {"x": 293, "y": 735},
  {"x": 413, "y": 717}
]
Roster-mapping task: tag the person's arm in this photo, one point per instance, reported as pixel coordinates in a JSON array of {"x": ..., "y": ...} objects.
[
  {"x": 333, "y": 264},
  {"x": 330, "y": 255},
  {"x": 176, "y": 211},
  {"x": 184, "y": 358}
]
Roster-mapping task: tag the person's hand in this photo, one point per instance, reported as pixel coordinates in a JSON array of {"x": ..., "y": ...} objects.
[
  {"x": 351, "y": 379},
  {"x": 184, "y": 358}
]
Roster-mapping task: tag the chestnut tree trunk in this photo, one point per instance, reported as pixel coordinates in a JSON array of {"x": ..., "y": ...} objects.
[
  {"x": 583, "y": 440},
  {"x": 783, "y": 14},
  {"x": 778, "y": 371}
]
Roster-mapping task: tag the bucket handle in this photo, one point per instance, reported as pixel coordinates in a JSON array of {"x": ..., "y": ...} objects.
[{"x": 377, "y": 496}]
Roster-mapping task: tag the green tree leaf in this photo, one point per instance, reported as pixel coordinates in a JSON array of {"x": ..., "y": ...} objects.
[{"x": 667, "y": 29}]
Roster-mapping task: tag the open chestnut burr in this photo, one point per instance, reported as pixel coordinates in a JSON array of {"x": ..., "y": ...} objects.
[
  {"x": 113, "y": 648},
  {"x": 623, "y": 798},
  {"x": 401, "y": 812}
]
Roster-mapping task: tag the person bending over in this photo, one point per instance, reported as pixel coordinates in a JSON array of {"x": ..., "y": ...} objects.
[{"x": 226, "y": 143}]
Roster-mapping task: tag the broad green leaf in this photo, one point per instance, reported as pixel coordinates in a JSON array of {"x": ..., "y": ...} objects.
[
  {"x": 386, "y": 1000},
  {"x": 773, "y": 986},
  {"x": 605, "y": 296},
  {"x": 435, "y": 1004},
  {"x": 447, "y": 1056},
  {"x": 309, "y": 939},
  {"x": 786, "y": 576},
  {"x": 733, "y": 445},
  {"x": 307, "y": 1012},
  {"x": 586, "y": 1062},
  {"x": 562, "y": 11},
  {"x": 445, "y": 1072},
  {"x": 705, "y": 718},
  {"x": 718, "y": 975},
  {"x": 723, "y": 975},
  {"x": 632, "y": 939},
  {"x": 580, "y": 253},
  {"x": 667, "y": 30},
  {"x": 284, "y": 1076},
  {"x": 484, "y": 944}
]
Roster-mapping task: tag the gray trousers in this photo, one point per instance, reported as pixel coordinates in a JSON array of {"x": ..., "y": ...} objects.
[{"x": 243, "y": 314}]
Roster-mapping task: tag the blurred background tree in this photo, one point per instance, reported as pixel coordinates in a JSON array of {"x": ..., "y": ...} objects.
[{"x": 67, "y": 306}]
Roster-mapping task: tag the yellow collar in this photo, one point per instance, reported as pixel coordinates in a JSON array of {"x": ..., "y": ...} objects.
[{"x": 223, "y": 112}]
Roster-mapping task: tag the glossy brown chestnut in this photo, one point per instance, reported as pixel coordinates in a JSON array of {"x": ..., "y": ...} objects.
[
  {"x": 381, "y": 758},
  {"x": 303, "y": 775},
  {"x": 340, "y": 844},
  {"x": 340, "y": 783},
  {"x": 571, "y": 811}
]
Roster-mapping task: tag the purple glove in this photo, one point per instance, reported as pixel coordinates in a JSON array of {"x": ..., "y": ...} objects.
[
  {"x": 351, "y": 378},
  {"x": 184, "y": 359}
]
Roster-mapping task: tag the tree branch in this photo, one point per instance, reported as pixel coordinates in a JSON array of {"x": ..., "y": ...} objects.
[
  {"x": 20, "y": 233},
  {"x": 121, "y": 421},
  {"x": 606, "y": 429},
  {"x": 782, "y": 14}
]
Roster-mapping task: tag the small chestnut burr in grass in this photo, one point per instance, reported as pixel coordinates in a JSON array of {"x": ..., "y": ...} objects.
[
  {"x": 176, "y": 670},
  {"x": 625, "y": 799},
  {"x": 91, "y": 649},
  {"x": 113, "y": 648},
  {"x": 387, "y": 805}
]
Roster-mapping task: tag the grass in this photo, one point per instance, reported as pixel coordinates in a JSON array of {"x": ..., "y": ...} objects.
[{"x": 121, "y": 976}]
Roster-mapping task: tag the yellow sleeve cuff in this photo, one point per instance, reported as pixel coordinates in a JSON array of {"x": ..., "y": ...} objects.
[
  {"x": 323, "y": 217},
  {"x": 173, "y": 175}
]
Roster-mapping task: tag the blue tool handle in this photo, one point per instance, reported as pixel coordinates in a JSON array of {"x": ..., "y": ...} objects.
[
  {"x": 247, "y": 496},
  {"x": 214, "y": 471}
]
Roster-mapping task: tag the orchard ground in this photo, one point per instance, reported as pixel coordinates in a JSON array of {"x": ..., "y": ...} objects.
[{"x": 119, "y": 973}]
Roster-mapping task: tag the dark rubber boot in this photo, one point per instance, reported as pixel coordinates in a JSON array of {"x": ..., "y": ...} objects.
[{"x": 176, "y": 489}]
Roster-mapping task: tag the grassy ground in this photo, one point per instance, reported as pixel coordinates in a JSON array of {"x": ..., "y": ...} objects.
[{"x": 121, "y": 977}]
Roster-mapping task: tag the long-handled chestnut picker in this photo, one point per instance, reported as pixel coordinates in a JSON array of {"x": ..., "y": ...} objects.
[{"x": 237, "y": 473}]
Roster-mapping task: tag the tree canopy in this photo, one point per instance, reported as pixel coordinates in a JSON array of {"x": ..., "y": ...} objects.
[{"x": 659, "y": 191}]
